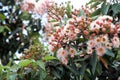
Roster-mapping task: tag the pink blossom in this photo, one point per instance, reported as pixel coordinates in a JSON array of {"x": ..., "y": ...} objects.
[
  {"x": 77, "y": 31},
  {"x": 28, "y": 5},
  {"x": 39, "y": 7},
  {"x": 98, "y": 40},
  {"x": 61, "y": 53},
  {"x": 104, "y": 17},
  {"x": 72, "y": 36},
  {"x": 64, "y": 61},
  {"x": 89, "y": 50},
  {"x": 104, "y": 38},
  {"x": 94, "y": 26},
  {"x": 100, "y": 50},
  {"x": 42, "y": 7},
  {"x": 51, "y": 48},
  {"x": 91, "y": 43},
  {"x": 116, "y": 42},
  {"x": 72, "y": 52},
  {"x": 108, "y": 45}
]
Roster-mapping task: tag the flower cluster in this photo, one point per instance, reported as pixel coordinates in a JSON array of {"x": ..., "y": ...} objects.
[
  {"x": 100, "y": 44},
  {"x": 105, "y": 35},
  {"x": 36, "y": 7},
  {"x": 63, "y": 34},
  {"x": 99, "y": 36}
]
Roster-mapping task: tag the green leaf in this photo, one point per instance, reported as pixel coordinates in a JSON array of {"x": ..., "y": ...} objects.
[
  {"x": 55, "y": 73},
  {"x": 49, "y": 58},
  {"x": 95, "y": 4},
  {"x": 95, "y": 17},
  {"x": 25, "y": 16},
  {"x": 41, "y": 64},
  {"x": 118, "y": 54},
  {"x": 1, "y": 67},
  {"x": 82, "y": 59},
  {"x": 119, "y": 51},
  {"x": 115, "y": 8},
  {"x": 91, "y": 1},
  {"x": 83, "y": 69},
  {"x": 109, "y": 53},
  {"x": 1, "y": 29},
  {"x": 93, "y": 62},
  {"x": 99, "y": 68},
  {"x": 81, "y": 13},
  {"x": 42, "y": 74},
  {"x": 13, "y": 77},
  {"x": 95, "y": 13},
  {"x": 53, "y": 20},
  {"x": 49, "y": 77},
  {"x": 72, "y": 70},
  {"x": 7, "y": 28},
  {"x": 105, "y": 8},
  {"x": 69, "y": 10},
  {"x": 2, "y": 17},
  {"x": 25, "y": 62}
]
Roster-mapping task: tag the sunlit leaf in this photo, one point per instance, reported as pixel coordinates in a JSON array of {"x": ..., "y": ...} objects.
[
  {"x": 91, "y": 1},
  {"x": 118, "y": 54},
  {"x": 95, "y": 4},
  {"x": 95, "y": 13},
  {"x": 7, "y": 28},
  {"x": 69, "y": 10},
  {"x": 2, "y": 17},
  {"x": 1, "y": 29},
  {"x": 25, "y": 62},
  {"x": 41, "y": 64},
  {"x": 49, "y": 58}
]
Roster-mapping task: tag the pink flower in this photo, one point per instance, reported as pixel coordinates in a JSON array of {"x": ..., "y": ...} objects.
[
  {"x": 61, "y": 53},
  {"x": 51, "y": 48},
  {"x": 77, "y": 31},
  {"x": 64, "y": 60},
  {"x": 94, "y": 26},
  {"x": 91, "y": 43},
  {"x": 116, "y": 42},
  {"x": 89, "y": 50},
  {"x": 39, "y": 7},
  {"x": 28, "y": 5},
  {"x": 98, "y": 40},
  {"x": 108, "y": 45},
  {"x": 42, "y": 7},
  {"x": 104, "y": 38},
  {"x": 72, "y": 35},
  {"x": 72, "y": 52},
  {"x": 100, "y": 50}
]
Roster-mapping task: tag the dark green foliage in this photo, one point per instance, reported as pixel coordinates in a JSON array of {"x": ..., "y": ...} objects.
[{"x": 12, "y": 38}]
